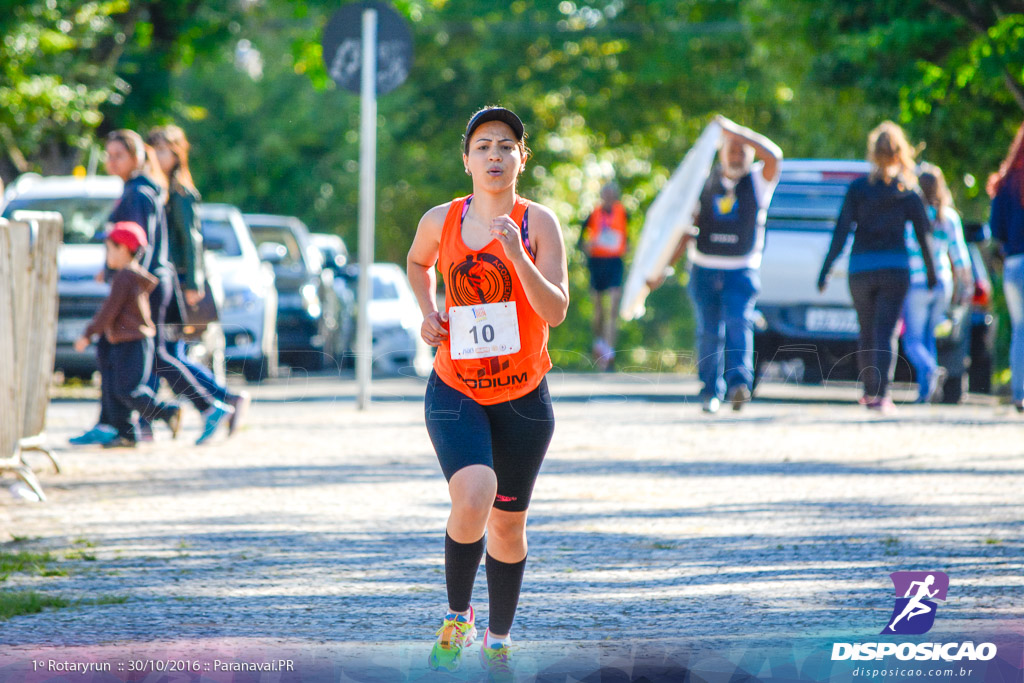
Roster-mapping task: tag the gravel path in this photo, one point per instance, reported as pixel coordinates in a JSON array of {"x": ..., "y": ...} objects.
[{"x": 650, "y": 520}]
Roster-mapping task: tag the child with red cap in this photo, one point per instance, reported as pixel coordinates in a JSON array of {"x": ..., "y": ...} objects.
[{"x": 125, "y": 321}]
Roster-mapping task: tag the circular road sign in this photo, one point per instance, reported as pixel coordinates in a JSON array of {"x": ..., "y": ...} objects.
[{"x": 342, "y": 44}]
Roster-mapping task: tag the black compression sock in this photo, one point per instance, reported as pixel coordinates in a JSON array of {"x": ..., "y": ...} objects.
[
  {"x": 461, "y": 561},
  {"x": 504, "y": 582}
]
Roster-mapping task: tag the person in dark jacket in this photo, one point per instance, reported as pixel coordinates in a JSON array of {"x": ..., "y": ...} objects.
[
  {"x": 877, "y": 209},
  {"x": 142, "y": 202},
  {"x": 724, "y": 249},
  {"x": 124, "y": 322},
  {"x": 1006, "y": 188},
  {"x": 185, "y": 251}
]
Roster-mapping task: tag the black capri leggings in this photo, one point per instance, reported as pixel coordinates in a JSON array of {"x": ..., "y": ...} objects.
[{"x": 511, "y": 438}]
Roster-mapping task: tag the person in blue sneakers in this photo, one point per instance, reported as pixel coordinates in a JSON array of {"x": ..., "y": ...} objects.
[
  {"x": 125, "y": 323},
  {"x": 131, "y": 159}
]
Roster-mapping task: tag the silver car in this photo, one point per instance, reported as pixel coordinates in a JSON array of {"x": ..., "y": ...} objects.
[
  {"x": 249, "y": 315},
  {"x": 86, "y": 203}
]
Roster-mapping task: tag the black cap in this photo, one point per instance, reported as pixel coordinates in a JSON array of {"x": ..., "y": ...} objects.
[{"x": 494, "y": 114}]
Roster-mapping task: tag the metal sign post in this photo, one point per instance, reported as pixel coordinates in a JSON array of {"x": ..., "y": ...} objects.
[
  {"x": 367, "y": 49},
  {"x": 367, "y": 203}
]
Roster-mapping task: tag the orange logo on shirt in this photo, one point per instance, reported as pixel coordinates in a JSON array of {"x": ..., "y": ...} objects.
[{"x": 479, "y": 279}]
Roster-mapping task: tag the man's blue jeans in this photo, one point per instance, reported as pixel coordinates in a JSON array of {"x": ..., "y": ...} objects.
[{"x": 723, "y": 303}]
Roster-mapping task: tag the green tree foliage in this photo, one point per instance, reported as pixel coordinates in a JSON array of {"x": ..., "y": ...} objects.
[
  {"x": 607, "y": 88},
  {"x": 56, "y": 69}
]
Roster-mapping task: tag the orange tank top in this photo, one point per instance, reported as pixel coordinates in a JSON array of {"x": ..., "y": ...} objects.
[
  {"x": 474, "y": 277},
  {"x": 606, "y": 232}
]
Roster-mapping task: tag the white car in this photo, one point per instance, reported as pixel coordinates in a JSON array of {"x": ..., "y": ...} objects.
[
  {"x": 249, "y": 314},
  {"x": 395, "y": 319},
  {"x": 86, "y": 203}
]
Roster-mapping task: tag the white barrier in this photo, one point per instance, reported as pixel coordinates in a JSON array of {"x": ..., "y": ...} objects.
[{"x": 28, "y": 335}]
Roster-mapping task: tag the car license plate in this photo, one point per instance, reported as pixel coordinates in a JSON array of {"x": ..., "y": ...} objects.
[
  {"x": 70, "y": 330},
  {"x": 832, "y": 320}
]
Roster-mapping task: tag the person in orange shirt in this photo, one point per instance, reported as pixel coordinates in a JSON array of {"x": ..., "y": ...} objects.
[
  {"x": 488, "y": 410},
  {"x": 604, "y": 240}
]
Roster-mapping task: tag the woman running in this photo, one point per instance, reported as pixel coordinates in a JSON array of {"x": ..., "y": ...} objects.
[
  {"x": 488, "y": 411},
  {"x": 880, "y": 206}
]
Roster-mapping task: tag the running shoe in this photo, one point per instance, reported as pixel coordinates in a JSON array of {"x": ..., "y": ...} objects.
[
  {"x": 174, "y": 422},
  {"x": 883, "y": 405},
  {"x": 457, "y": 632},
  {"x": 145, "y": 432},
  {"x": 120, "y": 442},
  {"x": 212, "y": 417},
  {"x": 738, "y": 395},
  {"x": 240, "y": 402},
  {"x": 711, "y": 405},
  {"x": 98, "y": 435},
  {"x": 497, "y": 661}
]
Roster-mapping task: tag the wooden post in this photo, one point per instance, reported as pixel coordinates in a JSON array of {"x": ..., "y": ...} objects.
[{"x": 28, "y": 335}]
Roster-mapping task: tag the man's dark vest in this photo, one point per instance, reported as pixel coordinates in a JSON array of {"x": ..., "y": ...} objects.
[{"x": 727, "y": 228}]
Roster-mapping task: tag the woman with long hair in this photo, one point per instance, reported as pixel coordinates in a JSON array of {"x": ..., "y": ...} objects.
[
  {"x": 880, "y": 206},
  {"x": 185, "y": 252},
  {"x": 925, "y": 308},
  {"x": 142, "y": 202},
  {"x": 488, "y": 411},
  {"x": 1006, "y": 188}
]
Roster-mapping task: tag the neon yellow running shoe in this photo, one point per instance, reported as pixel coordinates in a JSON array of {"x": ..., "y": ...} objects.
[
  {"x": 497, "y": 661},
  {"x": 456, "y": 633}
]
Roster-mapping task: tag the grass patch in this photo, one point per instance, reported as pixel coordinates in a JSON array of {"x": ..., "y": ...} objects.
[
  {"x": 53, "y": 572},
  {"x": 84, "y": 542},
  {"x": 24, "y": 562},
  {"x": 79, "y": 555},
  {"x": 105, "y": 600},
  {"x": 15, "y": 603},
  {"x": 993, "y": 541}
]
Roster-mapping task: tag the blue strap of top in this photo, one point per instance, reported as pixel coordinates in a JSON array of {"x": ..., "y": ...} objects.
[{"x": 524, "y": 230}]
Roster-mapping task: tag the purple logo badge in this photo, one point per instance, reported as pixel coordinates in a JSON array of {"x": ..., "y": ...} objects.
[{"x": 914, "y": 612}]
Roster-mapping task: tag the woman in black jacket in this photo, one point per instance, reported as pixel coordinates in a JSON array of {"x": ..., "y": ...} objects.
[
  {"x": 142, "y": 202},
  {"x": 877, "y": 209},
  {"x": 185, "y": 252}
]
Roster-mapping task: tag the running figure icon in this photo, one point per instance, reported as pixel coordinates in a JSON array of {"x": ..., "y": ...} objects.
[
  {"x": 915, "y": 607},
  {"x": 916, "y": 592}
]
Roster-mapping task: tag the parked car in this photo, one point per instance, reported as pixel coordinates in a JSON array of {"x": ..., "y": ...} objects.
[
  {"x": 796, "y": 322},
  {"x": 310, "y": 325},
  {"x": 395, "y": 320},
  {"x": 984, "y": 322},
  {"x": 85, "y": 203},
  {"x": 335, "y": 256},
  {"x": 249, "y": 315}
]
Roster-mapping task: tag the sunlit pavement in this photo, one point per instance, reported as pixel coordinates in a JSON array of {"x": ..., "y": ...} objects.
[{"x": 320, "y": 526}]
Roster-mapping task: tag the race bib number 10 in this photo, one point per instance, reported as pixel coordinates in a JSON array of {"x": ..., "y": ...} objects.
[{"x": 483, "y": 331}]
